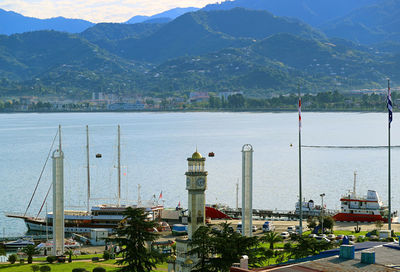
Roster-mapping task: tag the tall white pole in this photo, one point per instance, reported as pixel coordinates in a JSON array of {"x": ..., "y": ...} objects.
[
  {"x": 88, "y": 168},
  {"x": 237, "y": 195},
  {"x": 58, "y": 199},
  {"x": 389, "y": 102},
  {"x": 247, "y": 190},
  {"x": 119, "y": 166},
  {"x": 300, "y": 185}
]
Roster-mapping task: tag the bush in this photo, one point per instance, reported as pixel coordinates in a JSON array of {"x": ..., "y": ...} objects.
[
  {"x": 45, "y": 268},
  {"x": 21, "y": 261},
  {"x": 99, "y": 269},
  {"x": 35, "y": 268},
  {"x": 106, "y": 255},
  {"x": 12, "y": 258},
  {"x": 79, "y": 270},
  {"x": 51, "y": 259}
]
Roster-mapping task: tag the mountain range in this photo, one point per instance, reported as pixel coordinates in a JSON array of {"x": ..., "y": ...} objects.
[
  {"x": 253, "y": 51},
  {"x": 11, "y": 23}
]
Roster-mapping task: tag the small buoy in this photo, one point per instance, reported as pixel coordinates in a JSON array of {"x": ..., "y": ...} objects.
[
  {"x": 98, "y": 155},
  {"x": 211, "y": 154}
]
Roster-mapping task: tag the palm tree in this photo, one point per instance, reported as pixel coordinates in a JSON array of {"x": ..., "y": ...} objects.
[
  {"x": 69, "y": 252},
  {"x": 272, "y": 238},
  {"x": 30, "y": 250}
]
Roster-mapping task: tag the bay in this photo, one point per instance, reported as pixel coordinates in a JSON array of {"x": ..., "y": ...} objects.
[{"x": 155, "y": 147}]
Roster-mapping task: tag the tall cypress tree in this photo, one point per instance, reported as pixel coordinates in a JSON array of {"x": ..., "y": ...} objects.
[{"x": 133, "y": 236}]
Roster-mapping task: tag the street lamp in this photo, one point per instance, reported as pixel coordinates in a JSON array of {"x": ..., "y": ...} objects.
[{"x": 322, "y": 212}]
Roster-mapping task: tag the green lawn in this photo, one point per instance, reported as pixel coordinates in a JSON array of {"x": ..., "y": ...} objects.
[{"x": 66, "y": 267}]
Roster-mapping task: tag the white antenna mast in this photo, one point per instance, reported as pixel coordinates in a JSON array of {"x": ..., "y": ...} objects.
[
  {"x": 88, "y": 168},
  {"x": 119, "y": 165}
]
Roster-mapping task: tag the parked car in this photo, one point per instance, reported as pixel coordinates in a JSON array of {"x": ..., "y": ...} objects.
[
  {"x": 268, "y": 226},
  {"x": 291, "y": 229},
  {"x": 254, "y": 228},
  {"x": 285, "y": 235},
  {"x": 331, "y": 236},
  {"x": 312, "y": 235},
  {"x": 351, "y": 237},
  {"x": 321, "y": 236},
  {"x": 340, "y": 237},
  {"x": 239, "y": 228}
]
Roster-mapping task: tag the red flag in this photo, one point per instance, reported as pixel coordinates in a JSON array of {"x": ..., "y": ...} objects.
[
  {"x": 299, "y": 112},
  {"x": 160, "y": 195}
]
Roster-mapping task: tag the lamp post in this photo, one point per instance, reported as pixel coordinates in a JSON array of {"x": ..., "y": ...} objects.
[{"x": 322, "y": 212}]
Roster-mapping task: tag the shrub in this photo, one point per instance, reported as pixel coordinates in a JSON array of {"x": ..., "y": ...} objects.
[
  {"x": 99, "y": 269},
  {"x": 35, "y": 268},
  {"x": 12, "y": 258},
  {"x": 79, "y": 270},
  {"x": 45, "y": 268},
  {"x": 21, "y": 261},
  {"x": 106, "y": 255},
  {"x": 51, "y": 259}
]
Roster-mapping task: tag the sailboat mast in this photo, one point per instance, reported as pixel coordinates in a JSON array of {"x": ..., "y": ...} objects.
[
  {"x": 354, "y": 185},
  {"x": 88, "y": 168},
  {"x": 119, "y": 165}
]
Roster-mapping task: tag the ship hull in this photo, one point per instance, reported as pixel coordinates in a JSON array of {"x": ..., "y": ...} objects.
[{"x": 352, "y": 217}]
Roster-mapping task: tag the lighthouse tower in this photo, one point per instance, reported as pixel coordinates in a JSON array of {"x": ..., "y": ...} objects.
[{"x": 196, "y": 184}]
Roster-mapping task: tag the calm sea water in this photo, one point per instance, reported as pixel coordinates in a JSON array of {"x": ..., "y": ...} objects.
[{"x": 155, "y": 147}]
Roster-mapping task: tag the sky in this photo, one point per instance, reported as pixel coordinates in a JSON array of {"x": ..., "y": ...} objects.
[{"x": 96, "y": 10}]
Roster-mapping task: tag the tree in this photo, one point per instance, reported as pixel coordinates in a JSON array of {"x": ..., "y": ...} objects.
[
  {"x": 30, "y": 250},
  {"x": 35, "y": 267},
  {"x": 202, "y": 246},
  {"x": 312, "y": 222},
  {"x": 69, "y": 252},
  {"x": 12, "y": 258},
  {"x": 272, "y": 238},
  {"x": 132, "y": 237},
  {"x": 218, "y": 249},
  {"x": 379, "y": 224}
]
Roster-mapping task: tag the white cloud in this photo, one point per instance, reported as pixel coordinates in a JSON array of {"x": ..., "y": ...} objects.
[{"x": 96, "y": 10}]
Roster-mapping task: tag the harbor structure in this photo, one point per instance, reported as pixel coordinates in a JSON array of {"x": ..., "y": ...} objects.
[
  {"x": 58, "y": 199},
  {"x": 196, "y": 185},
  {"x": 247, "y": 190}
]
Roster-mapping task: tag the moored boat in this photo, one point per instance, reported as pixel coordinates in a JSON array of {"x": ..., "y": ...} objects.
[{"x": 367, "y": 208}]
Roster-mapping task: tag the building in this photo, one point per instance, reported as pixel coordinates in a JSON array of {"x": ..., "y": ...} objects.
[
  {"x": 198, "y": 97},
  {"x": 196, "y": 184}
]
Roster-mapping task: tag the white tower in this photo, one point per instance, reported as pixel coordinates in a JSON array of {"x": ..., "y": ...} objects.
[
  {"x": 247, "y": 190},
  {"x": 58, "y": 200},
  {"x": 196, "y": 184}
]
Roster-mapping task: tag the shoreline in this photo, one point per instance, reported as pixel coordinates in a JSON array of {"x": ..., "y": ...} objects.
[{"x": 208, "y": 111}]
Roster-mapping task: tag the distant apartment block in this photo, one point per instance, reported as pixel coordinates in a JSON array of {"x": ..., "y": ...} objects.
[{"x": 198, "y": 97}]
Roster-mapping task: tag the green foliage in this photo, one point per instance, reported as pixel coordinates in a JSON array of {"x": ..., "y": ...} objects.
[
  {"x": 30, "y": 250},
  {"x": 70, "y": 253},
  {"x": 272, "y": 238},
  {"x": 106, "y": 255},
  {"x": 308, "y": 246},
  {"x": 217, "y": 250},
  {"x": 35, "y": 267},
  {"x": 2, "y": 251},
  {"x": 51, "y": 259},
  {"x": 99, "y": 269},
  {"x": 12, "y": 258},
  {"x": 132, "y": 238},
  {"x": 45, "y": 268}
]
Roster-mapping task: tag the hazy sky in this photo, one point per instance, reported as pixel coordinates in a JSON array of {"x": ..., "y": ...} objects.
[{"x": 96, "y": 10}]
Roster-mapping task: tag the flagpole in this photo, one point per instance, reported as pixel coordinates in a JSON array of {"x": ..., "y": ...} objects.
[
  {"x": 389, "y": 166},
  {"x": 300, "y": 191}
]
